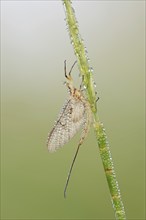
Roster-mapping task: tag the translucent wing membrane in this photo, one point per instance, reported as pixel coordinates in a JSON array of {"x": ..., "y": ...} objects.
[{"x": 70, "y": 120}]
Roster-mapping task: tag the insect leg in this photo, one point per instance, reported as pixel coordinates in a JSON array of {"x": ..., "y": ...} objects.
[
  {"x": 97, "y": 99},
  {"x": 82, "y": 83}
]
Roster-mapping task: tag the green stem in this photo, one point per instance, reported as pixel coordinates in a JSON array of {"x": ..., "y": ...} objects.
[{"x": 88, "y": 82}]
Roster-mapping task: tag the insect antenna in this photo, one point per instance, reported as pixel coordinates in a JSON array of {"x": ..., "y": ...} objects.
[
  {"x": 65, "y": 68},
  {"x": 71, "y": 167},
  {"x": 70, "y": 69}
]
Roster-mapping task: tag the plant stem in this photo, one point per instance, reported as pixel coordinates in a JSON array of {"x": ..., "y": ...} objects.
[{"x": 86, "y": 71}]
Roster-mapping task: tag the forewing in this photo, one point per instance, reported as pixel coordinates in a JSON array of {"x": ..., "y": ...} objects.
[{"x": 69, "y": 122}]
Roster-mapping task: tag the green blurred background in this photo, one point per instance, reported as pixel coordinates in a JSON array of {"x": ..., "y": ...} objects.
[{"x": 34, "y": 45}]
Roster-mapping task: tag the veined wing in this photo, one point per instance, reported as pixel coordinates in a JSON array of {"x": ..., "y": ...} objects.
[{"x": 70, "y": 120}]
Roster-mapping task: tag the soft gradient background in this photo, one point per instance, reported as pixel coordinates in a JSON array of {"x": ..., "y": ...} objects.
[{"x": 34, "y": 45}]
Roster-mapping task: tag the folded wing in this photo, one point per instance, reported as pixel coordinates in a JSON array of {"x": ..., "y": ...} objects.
[{"x": 70, "y": 120}]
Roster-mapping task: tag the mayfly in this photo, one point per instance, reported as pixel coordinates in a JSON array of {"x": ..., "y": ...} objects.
[{"x": 75, "y": 114}]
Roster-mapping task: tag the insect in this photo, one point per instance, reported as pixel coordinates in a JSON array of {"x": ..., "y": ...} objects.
[{"x": 75, "y": 114}]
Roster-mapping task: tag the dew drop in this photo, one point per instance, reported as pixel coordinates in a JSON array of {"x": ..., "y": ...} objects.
[
  {"x": 86, "y": 50},
  {"x": 82, "y": 40},
  {"x": 91, "y": 69},
  {"x": 94, "y": 84}
]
